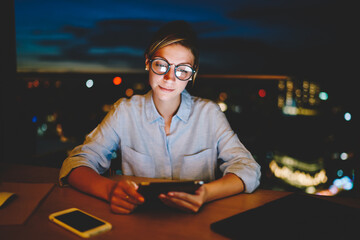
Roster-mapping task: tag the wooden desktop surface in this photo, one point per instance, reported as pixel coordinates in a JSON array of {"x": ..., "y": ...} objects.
[{"x": 160, "y": 223}]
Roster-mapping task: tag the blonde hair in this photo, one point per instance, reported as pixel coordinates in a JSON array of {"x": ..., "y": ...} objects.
[{"x": 176, "y": 32}]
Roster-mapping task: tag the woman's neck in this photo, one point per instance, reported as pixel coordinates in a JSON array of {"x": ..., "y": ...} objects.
[{"x": 167, "y": 109}]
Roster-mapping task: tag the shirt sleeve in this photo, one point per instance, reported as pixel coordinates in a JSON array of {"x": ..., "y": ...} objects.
[
  {"x": 97, "y": 149},
  {"x": 233, "y": 155}
]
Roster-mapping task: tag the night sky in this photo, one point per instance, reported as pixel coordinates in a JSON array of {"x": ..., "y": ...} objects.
[{"x": 236, "y": 37}]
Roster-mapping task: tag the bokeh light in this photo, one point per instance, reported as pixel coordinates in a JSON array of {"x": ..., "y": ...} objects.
[
  {"x": 89, "y": 83},
  {"x": 222, "y": 106},
  {"x": 262, "y": 93},
  {"x": 117, "y": 80},
  {"x": 323, "y": 96},
  {"x": 129, "y": 92},
  {"x": 347, "y": 116},
  {"x": 344, "y": 156}
]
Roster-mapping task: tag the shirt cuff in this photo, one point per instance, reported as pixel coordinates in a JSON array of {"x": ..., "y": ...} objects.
[{"x": 70, "y": 164}]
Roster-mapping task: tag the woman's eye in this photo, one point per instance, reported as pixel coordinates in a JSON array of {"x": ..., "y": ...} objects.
[
  {"x": 160, "y": 65},
  {"x": 183, "y": 71}
]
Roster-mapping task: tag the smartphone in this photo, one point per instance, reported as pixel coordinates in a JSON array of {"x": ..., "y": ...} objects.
[
  {"x": 79, "y": 222},
  {"x": 151, "y": 190}
]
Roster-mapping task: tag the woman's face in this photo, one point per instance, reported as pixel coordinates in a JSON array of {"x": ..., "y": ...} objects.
[{"x": 167, "y": 87}]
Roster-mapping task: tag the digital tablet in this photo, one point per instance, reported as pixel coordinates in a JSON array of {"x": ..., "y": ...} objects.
[{"x": 151, "y": 190}]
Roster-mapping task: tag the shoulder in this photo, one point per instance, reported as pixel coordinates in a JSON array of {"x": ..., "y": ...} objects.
[
  {"x": 127, "y": 106},
  {"x": 204, "y": 104},
  {"x": 133, "y": 102},
  {"x": 203, "y": 108}
]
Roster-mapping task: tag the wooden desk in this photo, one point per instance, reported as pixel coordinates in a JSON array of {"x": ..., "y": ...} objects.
[{"x": 163, "y": 223}]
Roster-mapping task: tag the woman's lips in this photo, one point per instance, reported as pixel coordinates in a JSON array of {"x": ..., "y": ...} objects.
[{"x": 166, "y": 89}]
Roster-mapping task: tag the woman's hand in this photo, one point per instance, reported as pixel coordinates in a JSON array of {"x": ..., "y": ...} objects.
[
  {"x": 124, "y": 198},
  {"x": 185, "y": 201}
]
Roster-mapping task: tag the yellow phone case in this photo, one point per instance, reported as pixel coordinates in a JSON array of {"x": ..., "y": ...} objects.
[{"x": 106, "y": 226}]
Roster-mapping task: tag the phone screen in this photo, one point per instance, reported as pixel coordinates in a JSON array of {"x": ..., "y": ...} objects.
[{"x": 79, "y": 220}]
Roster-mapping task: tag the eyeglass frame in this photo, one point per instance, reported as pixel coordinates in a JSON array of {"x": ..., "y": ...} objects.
[{"x": 169, "y": 66}]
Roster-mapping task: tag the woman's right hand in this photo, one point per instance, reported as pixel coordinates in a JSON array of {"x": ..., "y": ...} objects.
[{"x": 124, "y": 198}]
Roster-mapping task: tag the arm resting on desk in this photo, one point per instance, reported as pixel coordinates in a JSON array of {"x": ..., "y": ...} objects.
[
  {"x": 228, "y": 185},
  {"x": 122, "y": 195},
  {"x": 89, "y": 181}
]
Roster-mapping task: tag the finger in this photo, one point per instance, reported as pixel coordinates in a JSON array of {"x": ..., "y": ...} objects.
[
  {"x": 193, "y": 207},
  {"x": 194, "y": 199},
  {"x": 126, "y": 190},
  {"x": 169, "y": 203},
  {"x": 123, "y": 197},
  {"x": 130, "y": 190},
  {"x": 123, "y": 203},
  {"x": 179, "y": 203},
  {"x": 182, "y": 196},
  {"x": 132, "y": 200},
  {"x": 178, "y": 194},
  {"x": 119, "y": 209},
  {"x": 200, "y": 190}
]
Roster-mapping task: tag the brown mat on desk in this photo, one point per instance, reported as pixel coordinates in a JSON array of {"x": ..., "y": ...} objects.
[{"x": 28, "y": 196}]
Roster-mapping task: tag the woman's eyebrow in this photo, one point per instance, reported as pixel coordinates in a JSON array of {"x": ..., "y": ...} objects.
[{"x": 172, "y": 63}]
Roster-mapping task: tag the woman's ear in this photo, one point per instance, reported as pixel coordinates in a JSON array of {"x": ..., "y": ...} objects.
[{"x": 147, "y": 62}]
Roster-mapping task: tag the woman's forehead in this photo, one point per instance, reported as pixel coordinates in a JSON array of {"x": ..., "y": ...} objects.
[{"x": 175, "y": 53}]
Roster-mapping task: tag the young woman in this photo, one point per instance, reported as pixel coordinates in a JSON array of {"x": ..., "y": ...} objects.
[{"x": 166, "y": 133}]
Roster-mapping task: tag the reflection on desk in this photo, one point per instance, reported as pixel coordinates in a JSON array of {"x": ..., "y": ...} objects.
[{"x": 159, "y": 223}]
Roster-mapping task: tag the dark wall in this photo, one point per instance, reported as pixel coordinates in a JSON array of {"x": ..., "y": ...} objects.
[{"x": 17, "y": 134}]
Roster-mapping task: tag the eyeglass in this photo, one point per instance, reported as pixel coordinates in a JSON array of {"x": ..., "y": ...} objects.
[{"x": 182, "y": 72}]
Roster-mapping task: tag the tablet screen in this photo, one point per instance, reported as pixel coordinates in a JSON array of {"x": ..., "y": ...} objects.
[{"x": 151, "y": 190}]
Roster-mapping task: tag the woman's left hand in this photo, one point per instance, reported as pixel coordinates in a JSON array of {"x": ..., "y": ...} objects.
[{"x": 185, "y": 201}]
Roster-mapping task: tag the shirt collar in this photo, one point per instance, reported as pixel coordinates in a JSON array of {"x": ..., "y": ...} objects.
[
  {"x": 150, "y": 110},
  {"x": 185, "y": 106},
  {"x": 183, "y": 113}
]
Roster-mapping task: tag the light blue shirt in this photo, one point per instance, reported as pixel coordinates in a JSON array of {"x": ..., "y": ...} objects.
[{"x": 200, "y": 141}]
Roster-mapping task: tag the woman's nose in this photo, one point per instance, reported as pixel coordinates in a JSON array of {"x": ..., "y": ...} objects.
[{"x": 170, "y": 75}]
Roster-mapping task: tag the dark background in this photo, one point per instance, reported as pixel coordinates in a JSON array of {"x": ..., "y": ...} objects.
[{"x": 311, "y": 40}]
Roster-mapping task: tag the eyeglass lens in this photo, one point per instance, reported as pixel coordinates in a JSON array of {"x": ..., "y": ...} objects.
[{"x": 161, "y": 67}]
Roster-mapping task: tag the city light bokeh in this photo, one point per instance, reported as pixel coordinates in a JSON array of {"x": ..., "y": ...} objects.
[{"x": 284, "y": 121}]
